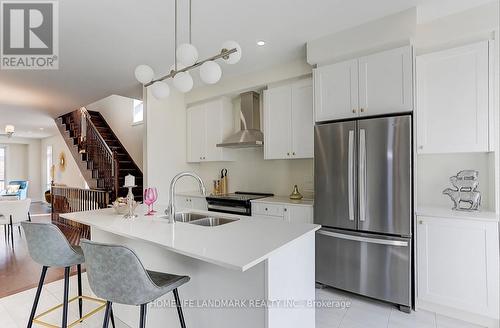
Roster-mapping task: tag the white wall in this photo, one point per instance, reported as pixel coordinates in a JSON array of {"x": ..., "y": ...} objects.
[
  {"x": 118, "y": 113},
  {"x": 71, "y": 176},
  {"x": 165, "y": 153},
  {"x": 23, "y": 163},
  {"x": 389, "y": 32}
]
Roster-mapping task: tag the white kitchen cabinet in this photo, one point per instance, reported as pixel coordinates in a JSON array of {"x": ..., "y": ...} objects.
[
  {"x": 377, "y": 84},
  {"x": 192, "y": 203},
  {"x": 207, "y": 125},
  {"x": 386, "y": 82},
  {"x": 458, "y": 264},
  {"x": 288, "y": 121},
  {"x": 453, "y": 100},
  {"x": 287, "y": 212},
  {"x": 336, "y": 91}
]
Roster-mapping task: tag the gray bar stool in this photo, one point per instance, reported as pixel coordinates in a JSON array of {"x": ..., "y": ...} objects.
[
  {"x": 116, "y": 274},
  {"x": 48, "y": 246}
]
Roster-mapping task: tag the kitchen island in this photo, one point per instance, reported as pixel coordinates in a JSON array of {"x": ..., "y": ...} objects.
[{"x": 250, "y": 272}]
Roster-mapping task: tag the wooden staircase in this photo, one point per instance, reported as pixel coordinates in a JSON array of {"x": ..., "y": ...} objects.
[{"x": 103, "y": 160}]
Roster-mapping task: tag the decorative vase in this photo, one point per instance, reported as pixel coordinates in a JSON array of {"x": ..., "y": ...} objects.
[{"x": 296, "y": 195}]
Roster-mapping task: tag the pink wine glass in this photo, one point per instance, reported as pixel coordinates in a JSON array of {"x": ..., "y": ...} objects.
[
  {"x": 154, "y": 199},
  {"x": 148, "y": 200}
]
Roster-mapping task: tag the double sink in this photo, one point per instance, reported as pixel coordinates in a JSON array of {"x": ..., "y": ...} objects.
[{"x": 202, "y": 219}]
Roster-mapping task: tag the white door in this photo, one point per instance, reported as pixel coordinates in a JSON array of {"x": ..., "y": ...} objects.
[
  {"x": 336, "y": 91},
  {"x": 302, "y": 120},
  {"x": 457, "y": 264},
  {"x": 452, "y": 100},
  {"x": 277, "y": 122},
  {"x": 386, "y": 82},
  {"x": 213, "y": 119},
  {"x": 196, "y": 133}
]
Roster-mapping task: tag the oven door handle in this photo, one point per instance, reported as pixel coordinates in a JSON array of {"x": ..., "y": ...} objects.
[{"x": 242, "y": 210}]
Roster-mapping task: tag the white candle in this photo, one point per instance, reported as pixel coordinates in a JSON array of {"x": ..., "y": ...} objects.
[{"x": 129, "y": 181}]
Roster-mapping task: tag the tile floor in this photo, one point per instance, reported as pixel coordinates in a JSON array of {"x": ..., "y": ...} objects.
[{"x": 349, "y": 312}]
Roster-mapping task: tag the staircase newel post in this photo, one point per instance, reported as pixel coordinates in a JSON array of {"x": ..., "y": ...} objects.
[{"x": 116, "y": 175}]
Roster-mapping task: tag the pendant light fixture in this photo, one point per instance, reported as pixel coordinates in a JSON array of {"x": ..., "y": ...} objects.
[{"x": 186, "y": 59}]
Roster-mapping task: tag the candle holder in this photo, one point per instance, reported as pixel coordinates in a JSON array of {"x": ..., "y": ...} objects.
[{"x": 131, "y": 203}]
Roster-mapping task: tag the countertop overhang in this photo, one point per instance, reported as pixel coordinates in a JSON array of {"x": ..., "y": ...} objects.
[{"x": 238, "y": 245}]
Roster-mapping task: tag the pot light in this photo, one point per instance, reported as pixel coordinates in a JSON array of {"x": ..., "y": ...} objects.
[{"x": 261, "y": 43}]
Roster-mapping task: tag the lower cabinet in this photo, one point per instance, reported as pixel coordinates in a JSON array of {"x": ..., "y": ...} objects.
[
  {"x": 289, "y": 213},
  {"x": 458, "y": 264},
  {"x": 192, "y": 203}
]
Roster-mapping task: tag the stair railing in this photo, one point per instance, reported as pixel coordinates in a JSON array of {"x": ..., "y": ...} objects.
[
  {"x": 104, "y": 160},
  {"x": 68, "y": 199}
]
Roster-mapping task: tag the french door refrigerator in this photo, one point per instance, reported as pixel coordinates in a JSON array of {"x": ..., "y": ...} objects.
[{"x": 363, "y": 200}]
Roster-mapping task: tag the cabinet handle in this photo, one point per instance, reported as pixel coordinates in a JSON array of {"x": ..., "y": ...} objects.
[
  {"x": 284, "y": 210},
  {"x": 266, "y": 208},
  {"x": 287, "y": 154},
  {"x": 362, "y": 110},
  {"x": 420, "y": 222},
  {"x": 293, "y": 153},
  {"x": 354, "y": 110},
  {"x": 420, "y": 147}
]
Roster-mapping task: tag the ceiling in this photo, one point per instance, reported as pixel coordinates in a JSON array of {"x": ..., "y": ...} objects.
[{"x": 101, "y": 43}]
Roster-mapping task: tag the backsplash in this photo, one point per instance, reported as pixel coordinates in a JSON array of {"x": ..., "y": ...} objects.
[{"x": 250, "y": 172}]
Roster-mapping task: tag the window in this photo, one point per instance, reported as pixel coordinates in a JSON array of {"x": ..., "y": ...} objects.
[
  {"x": 49, "y": 166},
  {"x": 138, "y": 111},
  {"x": 2, "y": 168}
]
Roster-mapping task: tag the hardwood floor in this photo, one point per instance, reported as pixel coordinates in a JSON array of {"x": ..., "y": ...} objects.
[{"x": 18, "y": 272}]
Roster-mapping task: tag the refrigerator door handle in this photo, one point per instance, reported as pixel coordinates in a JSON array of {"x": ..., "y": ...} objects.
[
  {"x": 364, "y": 239},
  {"x": 362, "y": 175},
  {"x": 350, "y": 175}
]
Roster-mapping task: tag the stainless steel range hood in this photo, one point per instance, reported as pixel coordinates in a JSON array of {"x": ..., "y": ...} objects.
[{"x": 250, "y": 134}]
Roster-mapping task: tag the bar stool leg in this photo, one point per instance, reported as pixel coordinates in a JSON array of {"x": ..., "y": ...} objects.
[
  {"x": 179, "y": 308},
  {"x": 37, "y": 296},
  {"x": 80, "y": 302},
  {"x": 66, "y": 295},
  {"x": 111, "y": 314},
  {"x": 106, "y": 314},
  {"x": 11, "y": 231},
  {"x": 142, "y": 323}
]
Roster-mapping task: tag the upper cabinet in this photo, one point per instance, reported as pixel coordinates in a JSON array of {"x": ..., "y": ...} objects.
[
  {"x": 336, "y": 91},
  {"x": 453, "y": 100},
  {"x": 381, "y": 83},
  {"x": 288, "y": 121},
  {"x": 386, "y": 82},
  {"x": 207, "y": 125}
]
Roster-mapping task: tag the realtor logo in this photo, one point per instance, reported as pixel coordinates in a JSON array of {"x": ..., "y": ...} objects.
[{"x": 29, "y": 35}]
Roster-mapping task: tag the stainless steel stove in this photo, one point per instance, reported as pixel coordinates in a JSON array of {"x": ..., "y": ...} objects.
[{"x": 237, "y": 203}]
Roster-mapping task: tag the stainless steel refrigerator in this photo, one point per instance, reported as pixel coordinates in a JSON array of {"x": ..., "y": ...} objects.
[{"x": 363, "y": 200}]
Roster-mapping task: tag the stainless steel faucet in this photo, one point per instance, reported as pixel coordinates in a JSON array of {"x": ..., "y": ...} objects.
[{"x": 170, "y": 211}]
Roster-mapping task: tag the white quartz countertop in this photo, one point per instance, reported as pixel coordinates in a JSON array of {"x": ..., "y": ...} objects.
[
  {"x": 284, "y": 200},
  {"x": 238, "y": 245}
]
